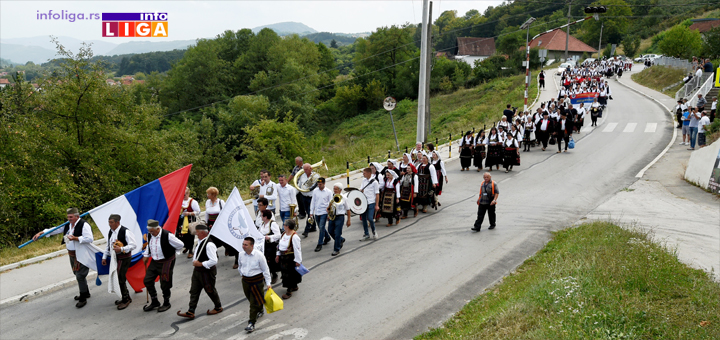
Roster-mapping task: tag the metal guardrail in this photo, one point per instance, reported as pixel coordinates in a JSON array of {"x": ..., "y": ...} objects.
[
  {"x": 704, "y": 89},
  {"x": 692, "y": 86},
  {"x": 674, "y": 62}
]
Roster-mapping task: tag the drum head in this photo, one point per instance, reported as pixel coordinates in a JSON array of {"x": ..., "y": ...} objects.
[{"x": 357, "y": 202}]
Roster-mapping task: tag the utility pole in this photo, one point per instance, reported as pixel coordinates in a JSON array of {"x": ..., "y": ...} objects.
[
  {"x": 429, "y": 72},
  {"x": 602, "y": 24},
  {"x": 567, "y": 38},
  {"x": 422, "y": 91},
  {"x": 526, "y": 25}
]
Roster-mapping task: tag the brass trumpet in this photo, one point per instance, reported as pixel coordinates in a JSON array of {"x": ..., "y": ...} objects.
[
  {"x": 337, "y": 199},
  {"x": 311, "y": 182}
]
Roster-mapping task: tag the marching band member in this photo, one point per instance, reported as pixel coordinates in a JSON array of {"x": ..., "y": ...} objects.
[
  {"x": 307, "y": 196},
  {"x": 417, "y": 151},
  {"x": 123, "y": 252},
  {"x": 270, "y": 229},
  {"x": 289, "y": 256},
  {"x": 190, "y": 211},
  {"x": 76, "y": 233},
  {"x": 161, "y": 247},
  {"x": 335, "y": 226},
  {"x": 466, "y": 151},
  {"x": 408, "y": 186},
  {"x": 318, "y": 211},
  {"x": 267, "y": 190},
  {"x": 371, "y": 189},
  {"x": 295, "y": 171},
  {"x": 254, "y": 270},
  {"x": 511, "y": 154},
  {"x": 376, "y": 169},
  {"x": 287, "y": 194},
  {"x": 391, "y": 198},
  {"x": 428, "y": 182},
  {"x": 479, "y": 152},
  {"x": 494, "y": 143},
  {"x": 204, "y": 274}
]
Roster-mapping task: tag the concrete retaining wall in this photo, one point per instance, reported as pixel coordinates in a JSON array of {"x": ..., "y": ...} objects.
[{"x": 701, "y": 164}]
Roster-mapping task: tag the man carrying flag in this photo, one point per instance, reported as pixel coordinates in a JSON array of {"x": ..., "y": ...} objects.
[
  {"x": 162, "y": 247},
  {"x": 122, "y": 243},
  {"x": 77, "y": 235}
]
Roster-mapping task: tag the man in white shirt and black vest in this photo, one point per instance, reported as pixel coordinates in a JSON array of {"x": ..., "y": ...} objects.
[
  {"x": 162, "y": 247},
  {"x": 204, "y": 273},
  {"x": 255, "y": 271},
  {"x": 75, "y": 232},
  {"x": 122, "y": 243}
]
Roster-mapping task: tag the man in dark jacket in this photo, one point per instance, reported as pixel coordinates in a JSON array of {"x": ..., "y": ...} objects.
[{"x": 563, "y": 131}]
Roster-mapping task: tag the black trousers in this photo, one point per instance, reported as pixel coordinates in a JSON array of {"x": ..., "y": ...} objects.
[
  {"x": 482, "y": 208},
  {"x": 542, "y": 83},
  {"x": 301, "y": 204},
  {"x": 543, "y": 137},
  {"x": 203, "y": 278},
  {"x": 154, "y": 271},
  {"x": 562, "y": 137},
  {"x": 81, "y": 273},
  {"x": 122, "y": 267},
  {"x": 594, "y": 120}
]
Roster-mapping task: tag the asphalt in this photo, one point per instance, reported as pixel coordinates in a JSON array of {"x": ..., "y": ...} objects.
[{"x": 417, "y": 274}]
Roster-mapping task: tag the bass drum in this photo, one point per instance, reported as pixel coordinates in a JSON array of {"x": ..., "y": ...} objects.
[{"x": 357, "y": 202}]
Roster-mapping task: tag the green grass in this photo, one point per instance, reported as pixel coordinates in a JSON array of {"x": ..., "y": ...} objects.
[
  {"x": 40, "y": 247},
  {"x": 372, "y": 135},
  {"x": 659, "y": 77},
  {"x": 596, "y": 281}
]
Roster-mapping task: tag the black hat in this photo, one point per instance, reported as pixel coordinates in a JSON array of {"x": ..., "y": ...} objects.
[
  {"x": 153, "y": 223},
  {"x": 321, "y": 180},
  {"x": 201, "y": 226},
  {"x": 545, "y": 113}
]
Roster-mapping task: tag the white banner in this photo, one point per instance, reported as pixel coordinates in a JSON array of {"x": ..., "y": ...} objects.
[{"x": 235, "y": 224}]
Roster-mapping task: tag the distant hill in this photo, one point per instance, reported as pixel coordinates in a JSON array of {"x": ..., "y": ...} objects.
[
  {"x": 287, "y": 28},
  {"x": 98, "y": 46},
  {"x": 6, "y": 63},
  {"x": 150, "y": 46},
  {"x": 22, "y": 54},
  {"x": 326, "y": 38}
]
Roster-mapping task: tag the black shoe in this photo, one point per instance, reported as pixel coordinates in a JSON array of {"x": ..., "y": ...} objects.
[
  {"x": 301, "y": 217},
  {"x": 154, "y": 304},
  {"x": 343, "y": 242},
  {"x": 250, "y": 327},
  {"x": 274, "y": 278},
  {"x": 305, "y": 234},
  {"x": 318, "y": 248},
  {"x": 475, "y": 229},
  {"x": 492, "y": 227},
  {"x": 164, "y": 307},
  {"x": 81, "y": 303},
  {"x": 335, "y": 253},
  {"x": 128, "y": 300},
  {"x": 326, "y": 242},
  {"x": 260, "y": 314},
  {"x": 79, "y": 297},
  {"x": 313, "y": 230}
]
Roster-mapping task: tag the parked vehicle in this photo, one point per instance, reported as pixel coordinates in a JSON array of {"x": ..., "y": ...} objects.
[{"x": 563, "y": 67}]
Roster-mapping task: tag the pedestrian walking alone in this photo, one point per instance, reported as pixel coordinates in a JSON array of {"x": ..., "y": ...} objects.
[{"x": 487, "y": 202}]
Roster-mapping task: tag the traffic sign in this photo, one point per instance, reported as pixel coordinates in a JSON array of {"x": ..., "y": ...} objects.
[{"x": 389, "y": 103}]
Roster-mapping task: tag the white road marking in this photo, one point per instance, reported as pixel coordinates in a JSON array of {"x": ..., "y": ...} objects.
[
  {"x": 610, "y": 127},
  {"x": 298, "y": 333},
  {"x": 630, "y": 127},
  {"x": 650, "y": 127},
  {"x": 214, "y": 324},
  {"x": 242, "y": 335}
]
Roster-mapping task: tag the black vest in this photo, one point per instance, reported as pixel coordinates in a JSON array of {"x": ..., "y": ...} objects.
[
  {"x": 167, "y": 249},
  {"x": 201, "y": 251},
  {"x": 79, "y": 225},
  {"x": 121, "y": 236}
]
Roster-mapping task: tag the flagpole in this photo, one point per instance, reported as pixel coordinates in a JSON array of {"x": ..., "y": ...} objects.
[{"x": 48, "y": 232}]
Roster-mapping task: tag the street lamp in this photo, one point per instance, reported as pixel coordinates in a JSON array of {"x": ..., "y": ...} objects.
[{"x": 526, "y": 25}]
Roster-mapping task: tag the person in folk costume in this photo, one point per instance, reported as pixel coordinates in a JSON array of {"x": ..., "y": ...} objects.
[
  {"x": 511, "y": 152},
  {"x": 204, "y": 274},
  {"x": 255, "y": 278},
  {"x": 595, "y": 110},
  {"x": 161, "y": 247},
  {"x": 190, "y": 212},
  {"x": 376, "y": 173},
  {"x": 504, "y": 123},
  {"x": 516, "y": 134},
  {"x": 289, "y": 256},
  {"x": 390, "y": 198},
  {"x": 563, "y": 132},
  {"x": 494, "y": 144},
  {"x": 502, "y": 133},
  {"x": 392, "y": 165},
  {"x": 76, "y": 233},
  {"x": 417, "y": 158},
  {"x": 122, "y": 243},
  {"x": 543, "y": 129},
  {"x": 213, "y": 207},
  {"x": 428, "y": 182},
  {"x": 480, "y": 150},
  {"x": 466, "y": 151},
  {"x": 528, "y": 135},
  {"x": 408, "y": 186},
  {"x": 270, "y": 229},
  {"x": 441, "y": 174},
  {"x": 580, "y": 118}
]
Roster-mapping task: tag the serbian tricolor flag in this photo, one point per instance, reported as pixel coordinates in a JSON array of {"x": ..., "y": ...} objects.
[
  {"x": 159, "y": 200},
  {"x": 586, "y": 98}
]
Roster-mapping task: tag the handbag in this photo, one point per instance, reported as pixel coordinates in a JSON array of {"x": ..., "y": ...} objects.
[
  {"x": 571, "y": 143},
  {"x": 273, "y": 302},
  {"x": 302, "y": 270},
  {"x": 191, "y": 227},
  {"x": 552, "y": 140}
]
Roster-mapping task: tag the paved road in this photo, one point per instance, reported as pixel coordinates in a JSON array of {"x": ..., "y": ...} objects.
[{"x": 416, "y": 274}]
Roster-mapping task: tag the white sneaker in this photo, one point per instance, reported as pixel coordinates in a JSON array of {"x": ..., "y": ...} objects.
[
  {"x": 365, "y": 238},
  {"x": 681, "y": 143},
  {"x": 375, "y": 236}
]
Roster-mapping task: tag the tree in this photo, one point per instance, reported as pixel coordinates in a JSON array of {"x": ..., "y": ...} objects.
[
  {"x": 630, "y": 45},
  {"x": 711, "y": 43},
  {"x": 681, "y": 42},
  {"x": 333, "y": 44},
  {"x": 272, "y": 145},
  {"x": 615, "y": 23}
]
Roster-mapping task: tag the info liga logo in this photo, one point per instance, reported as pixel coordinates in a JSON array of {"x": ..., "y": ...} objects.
[{"x": 135, "y": 25}]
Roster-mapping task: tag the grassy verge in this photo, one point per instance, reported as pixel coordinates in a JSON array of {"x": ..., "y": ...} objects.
[
  {"x": 42, "y": 246},
  {"x": 596, "y": 281},
  {"x": 372, "y": 135},
  {"x": 660, "y": 77}
]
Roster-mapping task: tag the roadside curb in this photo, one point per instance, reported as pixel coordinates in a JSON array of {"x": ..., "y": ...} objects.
[
  {"x": 674, "y": 137},
  {"x": 42, "y": 291},
  {"x": 42, "y": 258}
]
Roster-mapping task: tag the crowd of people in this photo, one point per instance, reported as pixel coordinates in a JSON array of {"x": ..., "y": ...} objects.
[{"x": 694, "y": 121}]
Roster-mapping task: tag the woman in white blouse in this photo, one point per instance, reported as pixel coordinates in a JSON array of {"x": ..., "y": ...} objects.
[
  {"x": 213, "y": 206},
  {"x": 289, "y": 256},
  {"x": 270, "y": 229},
  {"x": 511, "y": 154}
]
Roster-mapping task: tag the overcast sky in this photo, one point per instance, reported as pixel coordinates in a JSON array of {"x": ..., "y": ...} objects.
[{"x": 205, "y": 19}]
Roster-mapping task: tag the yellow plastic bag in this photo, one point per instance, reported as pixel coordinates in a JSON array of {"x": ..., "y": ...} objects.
[
  {"x": 185, "y": 225},
  {"x": 273, "y": 302}
]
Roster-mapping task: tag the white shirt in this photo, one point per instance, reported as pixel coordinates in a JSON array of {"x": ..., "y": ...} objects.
[
  {"x": 210, "y": 250},
  {"x": 510, "y": 144},
  {"x": 544, "y": 124},
  {"x": 285, "y": 242},
  {"x": 195, "y": 206},
  {"x": 86, "y": 237},
  {"x": 129, "y": 237},
  {"x": 581, "y": 112},
  {"x": 253, "y": 264},
  {"x": 286, "y": 196},
  {"x": 342, "y": 208},
  {"x": 258, "y": 219},
  {"x": 302, "y": 179},
  {"x": 267, "y": 190},
  {"x": 213, "y": 208},
  {"x": 370, "y": 187},
  {"x": 153, "y": 248},
  {"x": 265, "y": 229},
  {"x": 701, "y": 124},
  {"x": 714, "y": 105},
  {"x": 321, "y": 200},
  {"x": 698, "y": 73}
]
